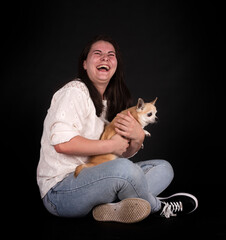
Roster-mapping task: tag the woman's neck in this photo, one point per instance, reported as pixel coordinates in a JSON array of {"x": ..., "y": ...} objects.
[{"x": 101, "y": 89}]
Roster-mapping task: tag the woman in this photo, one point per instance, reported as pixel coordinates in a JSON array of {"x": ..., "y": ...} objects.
[{"x": 118, "y": 190}]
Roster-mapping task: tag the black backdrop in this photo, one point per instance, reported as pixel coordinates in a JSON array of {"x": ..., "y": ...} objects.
[{"x": 171, "y": 49}]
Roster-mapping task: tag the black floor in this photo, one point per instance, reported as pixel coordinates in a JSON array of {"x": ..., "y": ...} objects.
[
  {"x": 196, "y": 226},
  {"x": 207, "y": 221}
]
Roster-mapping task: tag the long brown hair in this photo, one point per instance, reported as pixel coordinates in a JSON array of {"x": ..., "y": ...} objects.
[{"x": 117, "y": 94}]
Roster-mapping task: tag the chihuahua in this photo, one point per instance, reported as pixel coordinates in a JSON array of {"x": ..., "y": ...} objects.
[{"x": 144, "y": 113}]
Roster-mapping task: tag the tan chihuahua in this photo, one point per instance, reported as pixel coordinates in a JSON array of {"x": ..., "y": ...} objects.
[{"x": 144, "y": 113}]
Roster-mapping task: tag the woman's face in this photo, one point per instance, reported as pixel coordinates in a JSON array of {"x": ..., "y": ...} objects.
[{"x": 101, "y": 63}]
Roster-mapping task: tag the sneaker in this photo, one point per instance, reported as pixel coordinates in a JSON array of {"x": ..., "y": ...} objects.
[
  {"x": 129, "y": 210},
  {"x": 178, "y": 204}
]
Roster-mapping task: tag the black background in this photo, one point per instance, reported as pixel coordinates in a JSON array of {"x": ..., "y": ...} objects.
[{"x": 173, "y": 50}]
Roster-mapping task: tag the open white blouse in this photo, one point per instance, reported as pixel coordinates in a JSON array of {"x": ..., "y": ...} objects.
[{"x": 71, "y": 113}]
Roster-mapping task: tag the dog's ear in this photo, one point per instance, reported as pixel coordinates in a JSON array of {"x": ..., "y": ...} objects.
[
  {"x": 140, "y": 105},
  {"x": 154, "y": 101}
]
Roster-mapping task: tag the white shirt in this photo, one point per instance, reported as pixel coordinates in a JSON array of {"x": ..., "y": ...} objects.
[{"x": 71, "y": 113}]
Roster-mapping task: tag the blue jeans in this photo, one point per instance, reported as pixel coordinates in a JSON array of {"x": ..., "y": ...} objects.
[{"x": 109, "y": 182}]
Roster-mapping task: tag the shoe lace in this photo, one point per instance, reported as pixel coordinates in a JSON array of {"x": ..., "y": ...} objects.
[{"x": 171, "y": 208}]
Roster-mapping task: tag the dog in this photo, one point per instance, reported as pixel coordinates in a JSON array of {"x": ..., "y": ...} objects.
[{"x": 144, "y": 113}]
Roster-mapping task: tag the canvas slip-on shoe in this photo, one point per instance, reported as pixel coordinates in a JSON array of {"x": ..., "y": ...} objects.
[{"x": 129, "y": 210}]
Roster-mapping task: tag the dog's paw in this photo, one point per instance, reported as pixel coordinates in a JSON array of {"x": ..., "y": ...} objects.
[
  {"x": 147, "y": 134},
  {"x": 78, "y": 170}
]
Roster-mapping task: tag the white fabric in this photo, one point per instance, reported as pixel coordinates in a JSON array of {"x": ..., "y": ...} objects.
[{"x": 71, "y": 113}]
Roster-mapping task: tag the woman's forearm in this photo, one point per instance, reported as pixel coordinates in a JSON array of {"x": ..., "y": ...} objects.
[
  {"x": 84, "y": 147},
  {"x": 133, "y": 148}
]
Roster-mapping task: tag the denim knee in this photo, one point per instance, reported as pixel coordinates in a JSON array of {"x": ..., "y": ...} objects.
[
  {"x": 124, "y": 168},
  {"x": 167, "y": 167},
  {"x": 163, "y": 166}
]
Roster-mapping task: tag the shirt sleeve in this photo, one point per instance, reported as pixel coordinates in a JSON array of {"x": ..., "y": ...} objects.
[{"x": 68, "y": 111}]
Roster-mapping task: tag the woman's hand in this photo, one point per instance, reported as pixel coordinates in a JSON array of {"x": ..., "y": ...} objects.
[
  {"x": 128, "y": 127},
  {"x": 120, "y": 144}
]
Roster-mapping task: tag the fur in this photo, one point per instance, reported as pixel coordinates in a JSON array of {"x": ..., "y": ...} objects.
[{"x": 144, "y": 113}]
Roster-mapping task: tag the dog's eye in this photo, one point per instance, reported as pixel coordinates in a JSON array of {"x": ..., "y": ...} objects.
[{"x": 149, "y": 114}]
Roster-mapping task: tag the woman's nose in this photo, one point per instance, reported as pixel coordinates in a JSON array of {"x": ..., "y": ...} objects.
[{"x": 104, "y": 57}]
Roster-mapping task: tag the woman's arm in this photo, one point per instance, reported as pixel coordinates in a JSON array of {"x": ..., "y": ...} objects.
[
  {"x": 86, "y": 147},
  {"x": 133, "y": 148}
]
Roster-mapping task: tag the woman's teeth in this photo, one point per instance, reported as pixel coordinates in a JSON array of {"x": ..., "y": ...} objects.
[{"x": 103, "y": 67}]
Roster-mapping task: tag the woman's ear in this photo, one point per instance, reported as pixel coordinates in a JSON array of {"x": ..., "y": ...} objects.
[{"x": 84, "y": 65}]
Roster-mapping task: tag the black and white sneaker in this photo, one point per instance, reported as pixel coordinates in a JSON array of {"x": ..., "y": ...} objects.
[{"x": 178, "y": 204}]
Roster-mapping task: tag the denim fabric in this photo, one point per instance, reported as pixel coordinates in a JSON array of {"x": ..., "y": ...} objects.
[{"x": 109, "y": 182}]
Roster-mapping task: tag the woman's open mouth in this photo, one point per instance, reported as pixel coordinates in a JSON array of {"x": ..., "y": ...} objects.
[{"x": 103, "y": 68}]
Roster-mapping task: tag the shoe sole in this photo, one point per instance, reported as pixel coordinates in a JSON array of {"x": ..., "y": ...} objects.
[
  {"x": 129, "y": 210},
  {"x": 183, "y": 194}
]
